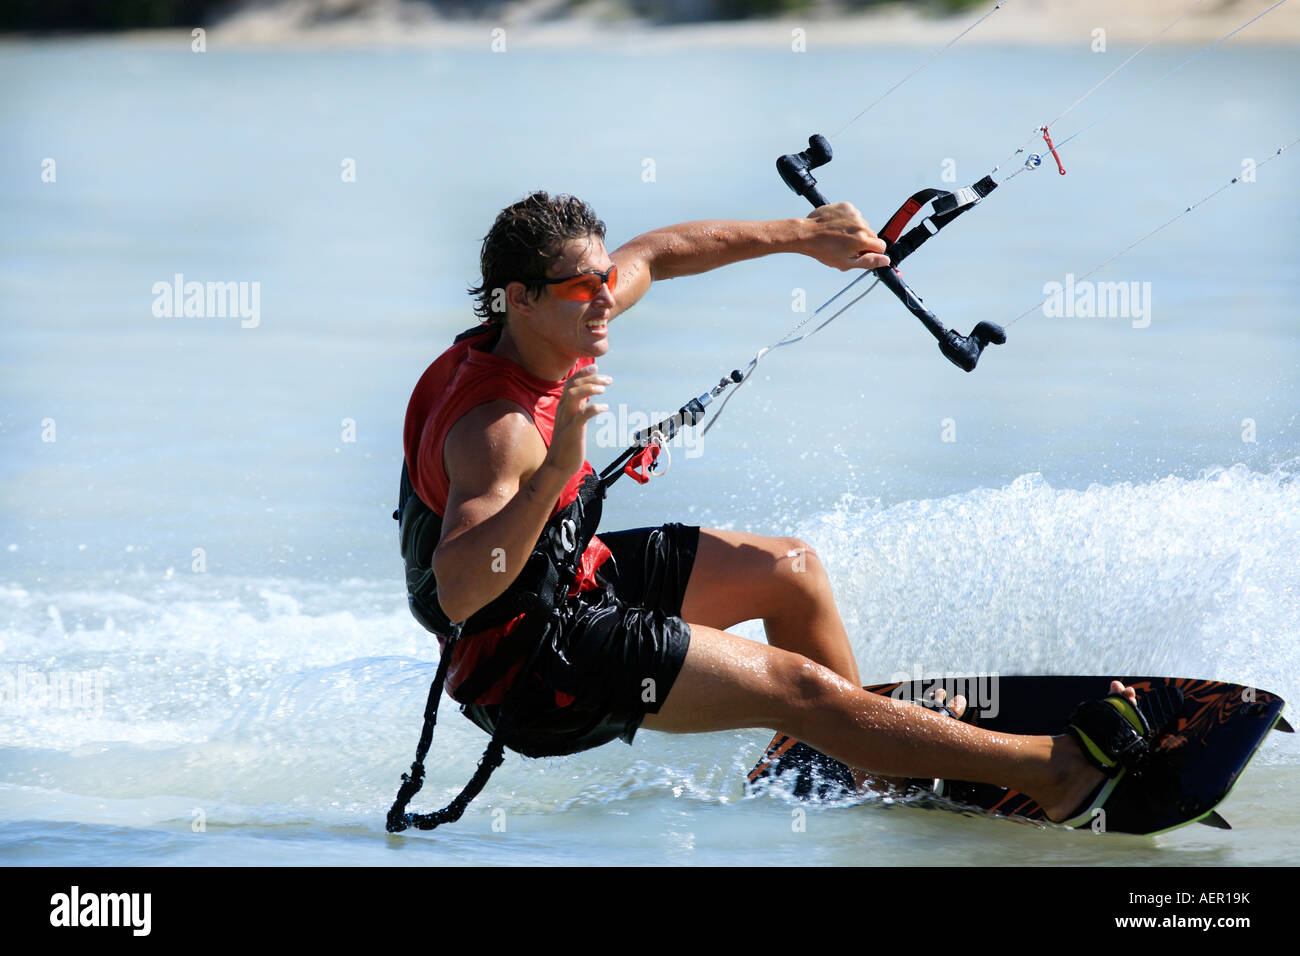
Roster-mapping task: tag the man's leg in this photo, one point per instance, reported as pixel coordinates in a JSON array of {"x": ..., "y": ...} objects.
[
  {"x": 738, "y": 577},
  {"x": 728, "y": 683}
]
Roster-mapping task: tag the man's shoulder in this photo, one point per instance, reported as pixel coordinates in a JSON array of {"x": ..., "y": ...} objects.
[
  {"x": 496, "y": 438},
  {"x": 496, "y": 417}
]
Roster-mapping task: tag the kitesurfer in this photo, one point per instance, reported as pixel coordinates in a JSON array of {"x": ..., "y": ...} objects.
[{"x": 636, "y": 636}]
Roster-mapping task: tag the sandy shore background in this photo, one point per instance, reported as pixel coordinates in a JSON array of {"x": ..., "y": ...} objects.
[{"x": 550, "y": 23}]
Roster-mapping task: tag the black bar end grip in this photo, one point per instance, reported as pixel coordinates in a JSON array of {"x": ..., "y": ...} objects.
[
  {"x": 795, "y": 169},
  {"x": 964, "y": 351}
]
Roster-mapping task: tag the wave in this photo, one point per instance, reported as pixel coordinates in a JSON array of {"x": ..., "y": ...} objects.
[{"x": 274, "y": 701}]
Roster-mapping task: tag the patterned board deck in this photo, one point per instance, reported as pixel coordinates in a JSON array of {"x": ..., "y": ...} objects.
[{"x": 1199, "y": 756}]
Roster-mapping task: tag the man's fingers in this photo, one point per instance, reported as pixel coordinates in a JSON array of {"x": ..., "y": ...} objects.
[
  {"x": 573, "y": 400},
  {"x": 601, "y": 380},
  {"x": 583, "y": 415},
  {"x": 585, "y": 378},
  {"x": 871, "y": 260},
  {"x": 574, "y": 407},
  {"x": 586, "y": 385},
  {"x": 845, "y": 225}
]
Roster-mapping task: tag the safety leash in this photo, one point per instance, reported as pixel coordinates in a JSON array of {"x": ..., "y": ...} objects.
[{"x": 398, "y": 819}]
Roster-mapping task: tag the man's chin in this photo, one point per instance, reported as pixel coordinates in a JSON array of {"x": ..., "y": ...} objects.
[{"x": 595, "y": 349}]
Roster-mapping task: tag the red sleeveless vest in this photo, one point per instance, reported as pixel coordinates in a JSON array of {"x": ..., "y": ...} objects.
[{"x": 464, "y": 377}]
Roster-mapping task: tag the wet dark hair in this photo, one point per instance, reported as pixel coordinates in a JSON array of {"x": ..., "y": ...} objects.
[{"x": 525, "y": 239}]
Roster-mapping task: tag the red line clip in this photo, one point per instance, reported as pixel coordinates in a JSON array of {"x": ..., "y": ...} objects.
[
  {"x": 641, "y": 463},
  {"x": 1047, "y": 138}
]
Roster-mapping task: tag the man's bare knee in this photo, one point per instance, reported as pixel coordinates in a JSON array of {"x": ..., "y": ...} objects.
[
  {"x": 801, "y": 569},
  {"x": 806, "y": 685},
  {"x": 814, "y": 700}
]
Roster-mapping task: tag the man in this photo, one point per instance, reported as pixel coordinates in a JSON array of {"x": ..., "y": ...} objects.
[{"x": 636, "y": 635}]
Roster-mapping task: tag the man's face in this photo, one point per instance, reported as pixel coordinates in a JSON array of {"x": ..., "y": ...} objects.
[{"x": 576, "y": 328}]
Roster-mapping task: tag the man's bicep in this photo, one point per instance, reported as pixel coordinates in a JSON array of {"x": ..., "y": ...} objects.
[
  {"x": 633, "y": 274},
  {"x": 488, "y": 454}
]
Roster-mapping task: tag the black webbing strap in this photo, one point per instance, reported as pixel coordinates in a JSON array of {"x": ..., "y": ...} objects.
[
  {"x": 493, "y": 756},
  {"x": 947, "y": 207},
  {"x": 554, "y": 589},
  {"x": 398, "y": 819}
]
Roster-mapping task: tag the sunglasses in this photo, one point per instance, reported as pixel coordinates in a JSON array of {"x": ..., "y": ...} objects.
[{"x": 583, "y": 287}]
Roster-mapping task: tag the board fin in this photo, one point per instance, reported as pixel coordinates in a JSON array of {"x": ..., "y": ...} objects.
[
  {"x": 1212, "y": 819},
  {"x": 1283, "y": 726}
]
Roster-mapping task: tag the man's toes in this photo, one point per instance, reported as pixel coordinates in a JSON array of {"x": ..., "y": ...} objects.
[{"x": 958, "y": 705}]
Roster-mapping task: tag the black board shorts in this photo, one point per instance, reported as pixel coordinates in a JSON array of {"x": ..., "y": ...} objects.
[{"x": 617, "y": 655}]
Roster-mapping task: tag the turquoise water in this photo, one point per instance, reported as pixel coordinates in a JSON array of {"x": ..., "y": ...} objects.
[{"x": 202, "y": 557}]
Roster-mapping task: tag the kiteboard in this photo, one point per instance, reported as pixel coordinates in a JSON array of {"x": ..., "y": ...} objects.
[{"x": 1198, "y": 755}]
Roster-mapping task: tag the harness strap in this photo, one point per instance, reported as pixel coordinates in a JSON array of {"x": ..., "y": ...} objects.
[
  {"x": 413, "y": 781},
  {"x": 493, "y": 756},
  {"x": 420, "y": 528},
  {"x": 504, "y": 656},
  {"x": 559, "y": 551}
]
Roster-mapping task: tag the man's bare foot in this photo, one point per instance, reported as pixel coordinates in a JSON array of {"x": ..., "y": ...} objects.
[{"x": 1075, "y": 777}]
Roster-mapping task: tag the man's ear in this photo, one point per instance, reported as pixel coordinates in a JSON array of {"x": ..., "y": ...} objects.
[{"x": 518, "y": 299}]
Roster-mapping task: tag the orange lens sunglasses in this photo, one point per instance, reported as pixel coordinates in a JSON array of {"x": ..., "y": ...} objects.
[{"x": 585, "y": 286}]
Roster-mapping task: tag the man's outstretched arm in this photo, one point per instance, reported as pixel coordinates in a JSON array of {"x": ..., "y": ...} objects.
[{"x": 835, "y": 235}]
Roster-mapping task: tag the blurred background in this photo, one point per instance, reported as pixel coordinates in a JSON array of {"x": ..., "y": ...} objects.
[{"x": 157, "y": 14}]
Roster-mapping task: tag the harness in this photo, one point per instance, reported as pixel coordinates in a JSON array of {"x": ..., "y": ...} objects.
[
  {"x": 543, "y": 583},
  {"x": 540, "y": 591}
]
